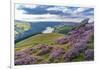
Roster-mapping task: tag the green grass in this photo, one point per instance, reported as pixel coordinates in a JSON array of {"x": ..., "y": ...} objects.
[
  {"x": 63, "y": 29},
  {"x": 48, "y": 39},
  {"x": 24, "y": 26},
  {"x": 79, "y": 58}
]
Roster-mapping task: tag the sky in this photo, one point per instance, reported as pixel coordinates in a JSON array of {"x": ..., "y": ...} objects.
[{"x": 33, "y": 13}]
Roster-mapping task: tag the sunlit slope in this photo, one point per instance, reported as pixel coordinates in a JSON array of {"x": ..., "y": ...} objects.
[{"x": 48, "y": 39}]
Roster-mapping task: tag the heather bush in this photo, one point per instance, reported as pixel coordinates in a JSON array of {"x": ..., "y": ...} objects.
[
  {"x": 20, "y": 55},
  {"x": 62, "y": 41},
  {"x": 25, "y": 60},
  {"x": 44, "y": 51},
  {"x": 81, "y": 46},
  {"x": 57, "y": 53},
  {"x": 89, "y": 54},
  {"x": 72, "y": 53}
]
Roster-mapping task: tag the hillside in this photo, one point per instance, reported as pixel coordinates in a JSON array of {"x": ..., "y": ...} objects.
[
  {"x": 47, "y": 39},
  {"x": 75, "y": 45}
]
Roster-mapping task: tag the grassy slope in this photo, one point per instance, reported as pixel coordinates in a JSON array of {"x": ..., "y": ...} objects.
[
  {"x": 48, "y": 39},
  {"x": 63, "y": 29}
]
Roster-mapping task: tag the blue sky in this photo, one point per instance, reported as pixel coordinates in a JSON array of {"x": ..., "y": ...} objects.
[{"x": 32, "y": 13}]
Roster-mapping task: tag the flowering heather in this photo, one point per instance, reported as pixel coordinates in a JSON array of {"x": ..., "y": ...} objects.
[
  {"x": 62, "y": 41},
  {"x": 89, "y": 54},
  {"x": 57, "y": 53},
  {"x": 80, "y": 46},
  {"x": 25, "y": 60},
  {"x": 72, "y": 53},
  {"x": 20, "y": 55},
  {"x": 44, "y": 51}
]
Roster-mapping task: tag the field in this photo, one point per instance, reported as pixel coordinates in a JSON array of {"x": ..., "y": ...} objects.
[{"x": 47, "y": 39}]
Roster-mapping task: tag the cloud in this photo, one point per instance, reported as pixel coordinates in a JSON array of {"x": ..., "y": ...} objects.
[
  {"x": 62, "y": 9},
  {"x": 55, "y": 8},
  {"x": 20, "y": 6},
  {"x": 75, "y": 14},
  {"x": 84, "y": 11},
  {"x": 48, "y": 30},
  {"x": 46, "y": 17},
  {"x": 79, "y": 10}
]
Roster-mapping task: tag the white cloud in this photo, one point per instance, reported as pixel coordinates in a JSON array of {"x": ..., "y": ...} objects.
[
  {"x": 55, "y": 8},
  {"x": 63, "y": 9},
  {"x": 48, "y": 30},
  {"x": 30, "y": 6},
  {"x": 79, "y": 10},
  {"x": 26, "y": 5},
  {"x": 66, "y": 10},
  {"x": 46, "y": 17}
]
